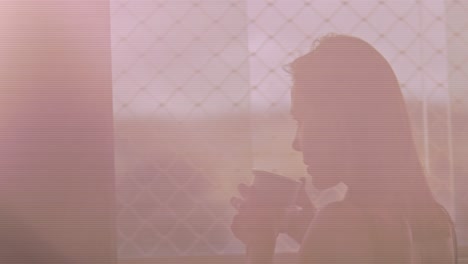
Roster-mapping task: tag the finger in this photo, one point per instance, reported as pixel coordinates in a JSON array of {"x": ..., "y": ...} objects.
[
  {"x": 236, "y": 202},
  {"x": 236, "y": 228},
  {"x": 240, "y": 228},
  {"x": 244, "y": 190}
]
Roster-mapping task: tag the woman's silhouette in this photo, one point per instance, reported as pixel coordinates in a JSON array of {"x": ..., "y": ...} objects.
[{"x": 353, "y": 128}]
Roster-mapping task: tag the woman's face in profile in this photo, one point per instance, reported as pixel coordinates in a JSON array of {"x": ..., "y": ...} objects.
[{"x": 319, "y": 138}]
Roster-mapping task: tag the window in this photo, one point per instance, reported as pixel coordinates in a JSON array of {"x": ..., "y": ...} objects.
[{"x": 200, "y": 97}]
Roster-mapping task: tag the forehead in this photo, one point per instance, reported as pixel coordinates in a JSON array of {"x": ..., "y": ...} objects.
[{"x": 295, "y": 111}]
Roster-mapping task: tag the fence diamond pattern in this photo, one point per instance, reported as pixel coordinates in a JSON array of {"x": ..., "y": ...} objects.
[{"x": 198, "y": 83}]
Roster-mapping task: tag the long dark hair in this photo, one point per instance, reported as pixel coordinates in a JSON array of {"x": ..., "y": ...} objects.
[
  {"x": 362, "y": 92},
  {"x": 356, "y": 83}
]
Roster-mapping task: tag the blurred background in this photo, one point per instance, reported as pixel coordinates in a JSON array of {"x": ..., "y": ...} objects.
[{"x": 200, "y": 97}]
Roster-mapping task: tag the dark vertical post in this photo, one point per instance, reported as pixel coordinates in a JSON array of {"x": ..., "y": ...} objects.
[{"x": 56, "y": 144}]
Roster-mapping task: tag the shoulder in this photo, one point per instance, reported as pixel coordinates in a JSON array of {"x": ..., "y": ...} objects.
[{"x": 338, "y": 234}]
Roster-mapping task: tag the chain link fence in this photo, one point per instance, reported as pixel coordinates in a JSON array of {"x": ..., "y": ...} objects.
[{"x": 200, "y": 97}]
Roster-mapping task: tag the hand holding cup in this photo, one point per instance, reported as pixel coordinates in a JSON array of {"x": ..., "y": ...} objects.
[{"x": 264, "y": 205}]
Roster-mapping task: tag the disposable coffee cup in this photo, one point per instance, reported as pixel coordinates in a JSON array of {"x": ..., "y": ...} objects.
[{"x": 275, "y": 190}]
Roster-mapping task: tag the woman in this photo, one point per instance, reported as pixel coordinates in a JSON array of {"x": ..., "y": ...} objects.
[{"x": 353, "y": 128}]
